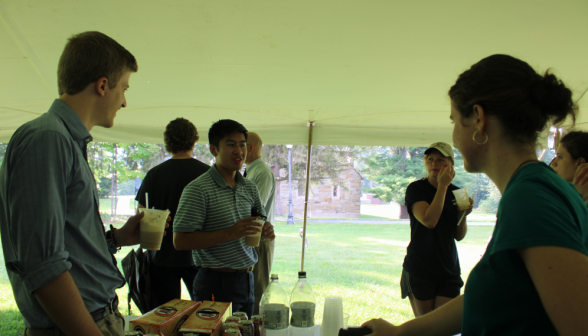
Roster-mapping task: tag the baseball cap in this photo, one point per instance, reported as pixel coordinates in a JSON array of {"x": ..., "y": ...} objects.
[{"x": 442, "y": 147}]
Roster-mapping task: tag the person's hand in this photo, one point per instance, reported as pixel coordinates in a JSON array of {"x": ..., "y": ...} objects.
[
  {"x": 268, "y": 231},
  {"x": 243, "y": 227},
  {"x": 580, "y": 179},
  {"x": 470, "y": 208},
  {"x": 446, "y": 175},
  {"x": 380, "y": 327},
  {"x": 129, "y": 234}
]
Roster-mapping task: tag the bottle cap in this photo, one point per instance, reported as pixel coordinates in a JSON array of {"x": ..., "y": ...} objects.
[{"x": 302, "y": 274}]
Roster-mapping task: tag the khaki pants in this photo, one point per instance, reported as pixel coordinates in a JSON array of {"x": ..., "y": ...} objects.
[
  {"x": 262, "y": 270},
  {"x": 111, "y": 325}
]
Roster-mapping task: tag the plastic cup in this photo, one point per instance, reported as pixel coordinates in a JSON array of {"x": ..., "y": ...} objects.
[
  {"x": 332, "y": 316},
  {"x": 462, "y": 198},
  {"x": 152, "y": 228},
  {"x": 253, "y": 240},
  {"x": 346, "y": 320}
]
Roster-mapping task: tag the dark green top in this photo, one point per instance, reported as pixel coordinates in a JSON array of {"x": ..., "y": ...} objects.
[{"x": 538, "y": 208}]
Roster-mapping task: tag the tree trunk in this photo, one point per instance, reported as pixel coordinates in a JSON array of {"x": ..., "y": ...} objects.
[
  {"x": 404, "y": 212},
  {"x": 114, "y": 184},
  {"x": 278, "y": 211}
]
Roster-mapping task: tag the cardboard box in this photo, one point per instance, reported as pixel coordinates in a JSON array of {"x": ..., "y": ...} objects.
[
  {"x": 207, "y": 319},
  {"x": 166, "y": 319}
]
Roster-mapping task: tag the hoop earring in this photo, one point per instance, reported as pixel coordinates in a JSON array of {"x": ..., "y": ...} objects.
[{"x": 479, "y": 143}]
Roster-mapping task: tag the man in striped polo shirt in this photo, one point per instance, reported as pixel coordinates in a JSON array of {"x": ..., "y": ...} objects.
[{"x": 213, "y": 217}]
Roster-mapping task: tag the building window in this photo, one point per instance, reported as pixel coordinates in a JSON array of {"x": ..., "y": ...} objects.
[
  {"x": 335, "y": 190},
  {"x": 301, "y": 189}
]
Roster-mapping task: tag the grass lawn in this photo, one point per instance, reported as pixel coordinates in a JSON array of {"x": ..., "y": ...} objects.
[
  {"x": 105, "y": 203},
  {"x": 387, "y": 213},
  {"x": 359, "y": 262},
  {"x": 363, "y": 217}
]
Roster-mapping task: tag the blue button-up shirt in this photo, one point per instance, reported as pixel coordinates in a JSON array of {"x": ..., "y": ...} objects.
[{"x": 49, "y": 219}]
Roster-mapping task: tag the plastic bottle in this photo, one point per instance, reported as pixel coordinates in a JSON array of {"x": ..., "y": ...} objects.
[
  {"x": 302, "y": 304},
  {"x": 274, "y": 310}
]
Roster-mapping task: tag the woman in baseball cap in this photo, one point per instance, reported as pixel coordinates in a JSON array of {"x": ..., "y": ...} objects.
[
  {"x": 532, "y": 279},
  {"x": 431, "y": 273}
]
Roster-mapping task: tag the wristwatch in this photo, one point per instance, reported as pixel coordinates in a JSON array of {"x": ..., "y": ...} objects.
[{"x": 111, "y": 241}]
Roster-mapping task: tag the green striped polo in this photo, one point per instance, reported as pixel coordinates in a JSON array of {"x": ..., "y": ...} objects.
[{"x": 209, "y": 204}]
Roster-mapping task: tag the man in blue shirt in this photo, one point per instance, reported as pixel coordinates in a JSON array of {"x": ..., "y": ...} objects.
[
  {"x": 57, "y": 254},
  {"x": 213, "y": 217},
  {"x": 265, "y": 180}
]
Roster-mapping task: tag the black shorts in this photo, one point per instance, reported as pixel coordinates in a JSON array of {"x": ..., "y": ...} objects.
[{"x": 424, "y": 290}]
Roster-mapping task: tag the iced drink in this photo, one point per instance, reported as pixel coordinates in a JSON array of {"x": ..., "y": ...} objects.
[
  {"x": 152, "y": 228},
  {"x": 253, "y": 240},
  {"x": 462, "y": 198}
]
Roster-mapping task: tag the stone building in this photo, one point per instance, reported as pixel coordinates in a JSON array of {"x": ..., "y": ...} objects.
[{"x": 330, "y": 199}]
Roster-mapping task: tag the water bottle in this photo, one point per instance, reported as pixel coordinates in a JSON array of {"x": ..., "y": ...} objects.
[
  {"x": 302, "y": 304},
  {"x": 274, "y": 310}
]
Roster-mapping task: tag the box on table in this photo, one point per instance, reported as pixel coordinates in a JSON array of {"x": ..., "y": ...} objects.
[
  {"x": 207, "y": 319},
  {"x": 166, "y": 319}
]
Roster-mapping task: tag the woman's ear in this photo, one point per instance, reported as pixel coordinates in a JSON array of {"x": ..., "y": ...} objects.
[{"x": 480, "y": 118}]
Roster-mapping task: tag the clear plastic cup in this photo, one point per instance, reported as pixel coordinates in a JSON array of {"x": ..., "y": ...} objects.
[
  {"x": 152, "y": 228},
  {"x": 253, "y": 240},
  {"x": 462, "y": 198},
  {"x": 346, "y": 320},
  {"x": 332, "y": 316}
]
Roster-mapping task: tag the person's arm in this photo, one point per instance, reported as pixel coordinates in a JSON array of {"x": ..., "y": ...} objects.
[
  {"x": 265, "y": 184},
  {"x": 268, "y": 231},
  {"x": 560, "y": 276},
  {"x": 38, "y": 182},
  {"x": 462, "y": 227},
  {"x": 130, "y": 232},
  {"x": 443, "y": 321},
  {"x": 429, "y": 214},
  {"x": 61, "y": 300},
  {"x": 200, "y": 240}
]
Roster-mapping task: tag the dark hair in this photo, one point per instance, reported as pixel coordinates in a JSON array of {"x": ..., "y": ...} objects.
[
  {"x": 576, "y": 143},
  {"x": 180, "y": 135},
  {"x": 223, "y": 128},
  {"x": 88, "y": 57},
  {"x": 509, "y": 89}
]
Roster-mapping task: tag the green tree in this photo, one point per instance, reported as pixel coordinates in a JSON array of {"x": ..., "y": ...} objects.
[
  {"x": 392, "y": 169},
  {"x": 202, "y": 153},
  {"x": 116, "y": 163}
]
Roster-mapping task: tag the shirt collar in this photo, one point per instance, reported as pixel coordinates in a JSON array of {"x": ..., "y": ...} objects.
[
  {"x": 72, "y": 120},
  {"x": 253, "y": 164},
  {"x": 216, "y": 176}
]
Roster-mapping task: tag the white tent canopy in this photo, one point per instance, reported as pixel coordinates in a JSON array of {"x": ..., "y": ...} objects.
[{"x": 367, "y": 72}]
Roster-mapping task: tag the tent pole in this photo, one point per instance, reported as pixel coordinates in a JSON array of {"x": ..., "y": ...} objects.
[{"x": 310, "y": 124}]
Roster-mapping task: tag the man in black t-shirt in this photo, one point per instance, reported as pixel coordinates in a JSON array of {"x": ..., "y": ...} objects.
[{"x": 164, "y": 184}]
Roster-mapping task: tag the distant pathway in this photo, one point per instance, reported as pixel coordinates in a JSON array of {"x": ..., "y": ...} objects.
[{"x": 364, "y": 221}]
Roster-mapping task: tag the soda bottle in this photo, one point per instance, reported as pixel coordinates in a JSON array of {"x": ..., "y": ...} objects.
[
  {"x": 274, "y": 310},
  {"x": 302, "y": 304}
]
